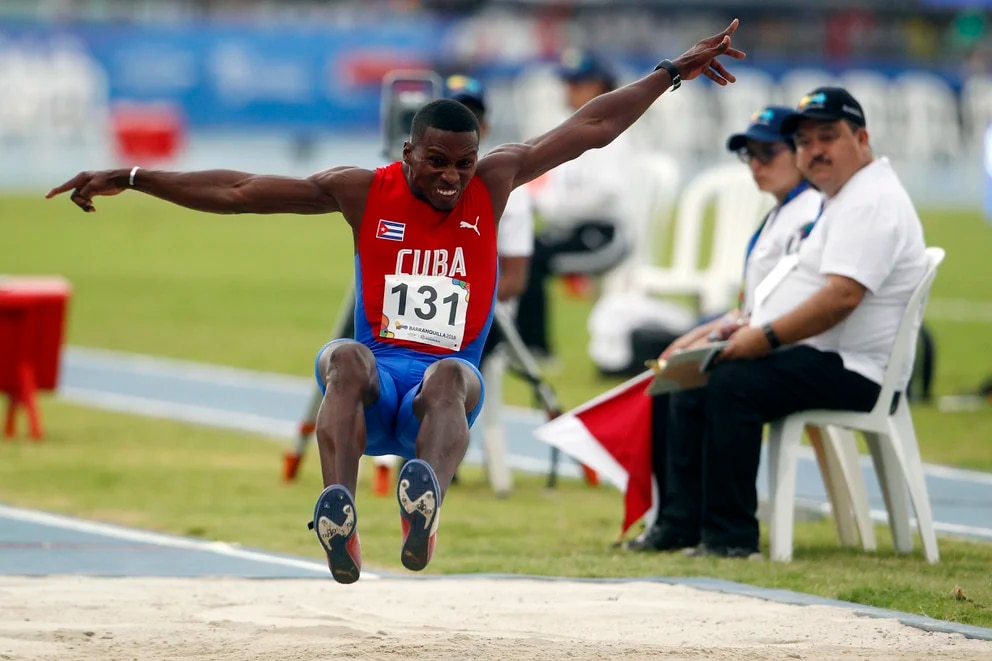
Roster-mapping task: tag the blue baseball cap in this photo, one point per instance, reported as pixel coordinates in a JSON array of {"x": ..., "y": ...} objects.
[
  {"x": 465, "y": 89},
  {"x": 575, "y": 66},
  {"x": 765, "y": 126}
]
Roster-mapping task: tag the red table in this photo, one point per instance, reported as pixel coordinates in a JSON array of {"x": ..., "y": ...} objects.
[{"x": 32, "y": 328}]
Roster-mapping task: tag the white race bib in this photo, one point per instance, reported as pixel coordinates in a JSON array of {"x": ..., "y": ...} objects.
[
  {"x": 429, "y": 309},
  {"x": 774, "y": 278}
]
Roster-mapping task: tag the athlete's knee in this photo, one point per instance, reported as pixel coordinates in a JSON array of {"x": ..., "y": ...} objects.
[
  {"x": 448, "y": 381},
  {"x": 347, "y": 365}
]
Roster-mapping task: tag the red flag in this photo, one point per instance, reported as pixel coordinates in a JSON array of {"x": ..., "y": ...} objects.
[{"x": 612, "y": 435}]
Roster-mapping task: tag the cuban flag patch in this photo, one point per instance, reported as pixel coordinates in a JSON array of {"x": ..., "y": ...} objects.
[{"x": 390, "y": 230}]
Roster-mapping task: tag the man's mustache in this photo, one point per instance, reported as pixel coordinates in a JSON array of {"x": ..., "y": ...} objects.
[{"x": 823, "y": 160}]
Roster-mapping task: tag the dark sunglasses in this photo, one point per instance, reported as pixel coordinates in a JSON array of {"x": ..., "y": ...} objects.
[{"x": 763, "y": 155}]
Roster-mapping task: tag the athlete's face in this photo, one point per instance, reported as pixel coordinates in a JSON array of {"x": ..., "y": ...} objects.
[{"x": 440, "y": 166}]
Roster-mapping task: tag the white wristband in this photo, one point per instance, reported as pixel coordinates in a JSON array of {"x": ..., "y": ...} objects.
[{"x": 134, "y": 171}]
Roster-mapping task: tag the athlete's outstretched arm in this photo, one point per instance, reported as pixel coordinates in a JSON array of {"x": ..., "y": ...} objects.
[
  {"x": 600, "y": 121},
  {"x": 214, "y": 191}
]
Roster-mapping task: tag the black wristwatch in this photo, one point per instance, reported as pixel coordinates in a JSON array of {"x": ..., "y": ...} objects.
[
  {"x": 673, "y": 72},
  {"x": 773, "y": 340}
]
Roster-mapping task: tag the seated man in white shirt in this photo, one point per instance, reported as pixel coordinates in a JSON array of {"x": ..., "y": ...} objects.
[
  {"x": 580, "y": 205},
  {"x": 824, "y": 320},
  {"x": 677, "y": 462}
]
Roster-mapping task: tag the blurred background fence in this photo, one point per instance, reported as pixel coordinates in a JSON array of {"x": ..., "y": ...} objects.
[{"x": 293, "y": 86}]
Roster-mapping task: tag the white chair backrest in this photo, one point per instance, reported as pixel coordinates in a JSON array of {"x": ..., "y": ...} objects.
[
  {"x": 655, "y": 180},
  {"x": 795, "y": 83},
  {"x": 738, "y": 206},
  {"x": 693, "y": 105},
  {"x": 659, "y": 177},
  {"x": 753, "y": 91},
  {"x": 873, "y": 91},
  {"x": 904, "y": 348},
  {"x": 927, "y": 123},
  {"x": 539, "y": 97},
  {"x": 976, "y": 108}
]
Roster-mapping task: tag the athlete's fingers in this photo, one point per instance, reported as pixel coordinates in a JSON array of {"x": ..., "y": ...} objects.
[
  {"x": 722, "y": 70},
  {"x": 714, "y": 77},
  {"x": 75, "y": 182},
  {"x": 82, "y": 201}
]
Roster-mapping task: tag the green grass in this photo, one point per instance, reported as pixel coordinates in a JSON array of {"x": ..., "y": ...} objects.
[
  {"x": 218, "y": 485},
  {"x": 263, "y": 293}
]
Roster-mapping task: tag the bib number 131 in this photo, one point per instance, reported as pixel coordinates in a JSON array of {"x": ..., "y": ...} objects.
[{"x": 425, "y": 308}]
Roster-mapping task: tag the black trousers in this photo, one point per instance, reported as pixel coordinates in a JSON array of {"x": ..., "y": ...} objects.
[
  {"x": 712, "y": 442},
  {"x": 591, "y": 247}
]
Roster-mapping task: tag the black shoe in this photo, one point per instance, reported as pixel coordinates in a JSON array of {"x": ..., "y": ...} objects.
[
  {"x": 657, "y": 538},
  {"x": 707, "y": 551}
]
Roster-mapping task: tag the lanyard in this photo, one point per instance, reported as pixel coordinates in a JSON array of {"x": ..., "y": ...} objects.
[
  {"x": 792, "y": 194},
  {"x": 753, "y": 241},
  {"x": 808, "y": 227}
]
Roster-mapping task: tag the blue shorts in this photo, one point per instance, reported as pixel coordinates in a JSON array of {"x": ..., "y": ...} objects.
[{"x": 390, "y": 424}]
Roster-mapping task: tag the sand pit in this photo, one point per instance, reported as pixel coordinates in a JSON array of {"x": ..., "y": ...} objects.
[{"x": 85, "y": 618}]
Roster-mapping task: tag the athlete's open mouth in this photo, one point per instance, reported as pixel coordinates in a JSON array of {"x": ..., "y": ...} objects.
[{"x": 447, "y": 192}]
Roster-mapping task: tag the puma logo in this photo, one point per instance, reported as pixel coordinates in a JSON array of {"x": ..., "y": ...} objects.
[{"x": 470, "y": 226}]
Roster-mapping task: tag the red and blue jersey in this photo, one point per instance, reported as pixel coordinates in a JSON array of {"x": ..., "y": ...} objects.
[{"x": 425, "y": 279}]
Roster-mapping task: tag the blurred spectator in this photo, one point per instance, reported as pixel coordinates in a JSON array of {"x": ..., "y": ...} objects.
[
  {"x": 580, "y": 205},
  {"x": 516, "y": 225}
]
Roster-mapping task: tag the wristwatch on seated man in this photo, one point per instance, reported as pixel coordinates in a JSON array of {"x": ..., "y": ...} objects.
[{"x": 770, "y": 335}]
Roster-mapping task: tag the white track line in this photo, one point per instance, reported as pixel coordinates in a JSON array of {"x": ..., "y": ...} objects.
[
  {"x": 176, "y": 411},
  {"x": 158, "y": 539},
  {"x": 959, "y": 309},
  {"x": 117, "y": 361}
]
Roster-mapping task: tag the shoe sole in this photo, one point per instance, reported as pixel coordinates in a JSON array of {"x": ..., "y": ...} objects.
[
  {"x": 417, "y": 491},
  {"x": 334, "y": 505}
]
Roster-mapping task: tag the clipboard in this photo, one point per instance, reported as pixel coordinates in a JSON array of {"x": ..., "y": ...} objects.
[{"x": 685, "y": 370}]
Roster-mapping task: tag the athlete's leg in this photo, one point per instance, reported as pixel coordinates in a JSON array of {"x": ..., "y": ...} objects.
[
  {"x": 434, "y": 421},
  {"x": 450, "y": 392},
  {"x": 347, "y": 370}
]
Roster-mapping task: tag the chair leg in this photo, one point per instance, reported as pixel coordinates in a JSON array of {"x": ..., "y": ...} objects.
[
  {"x": 903, "y": 433},
  {"x": 837, "y": 491},
  {"x": 783, "y": 454},
  {"x": 893, "y": 484},
  {"x": 842, "y": 449},
  {"x": 493, "y": 435}
]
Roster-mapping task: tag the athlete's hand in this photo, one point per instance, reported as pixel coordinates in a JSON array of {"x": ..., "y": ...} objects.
[
  {"x": 87, "y": 185},
  {"x": 700, "y": 60}
]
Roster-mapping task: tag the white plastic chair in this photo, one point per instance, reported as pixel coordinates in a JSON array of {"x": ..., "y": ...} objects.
[
  {"x": 929, "y": 126},
  {"x": 539, "y": 100},
  {"x": 976, "y": 109},
  {"x": 890, "y": 437},
  {"x": 795, "y": 83},
  {"x": 753, "y": 90},
  {"x": 691, "y": 105},
  {"x": 655, "y": 179},
  {"x": 875, "y": 92},
  {"x": 714, "y": 279}
]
